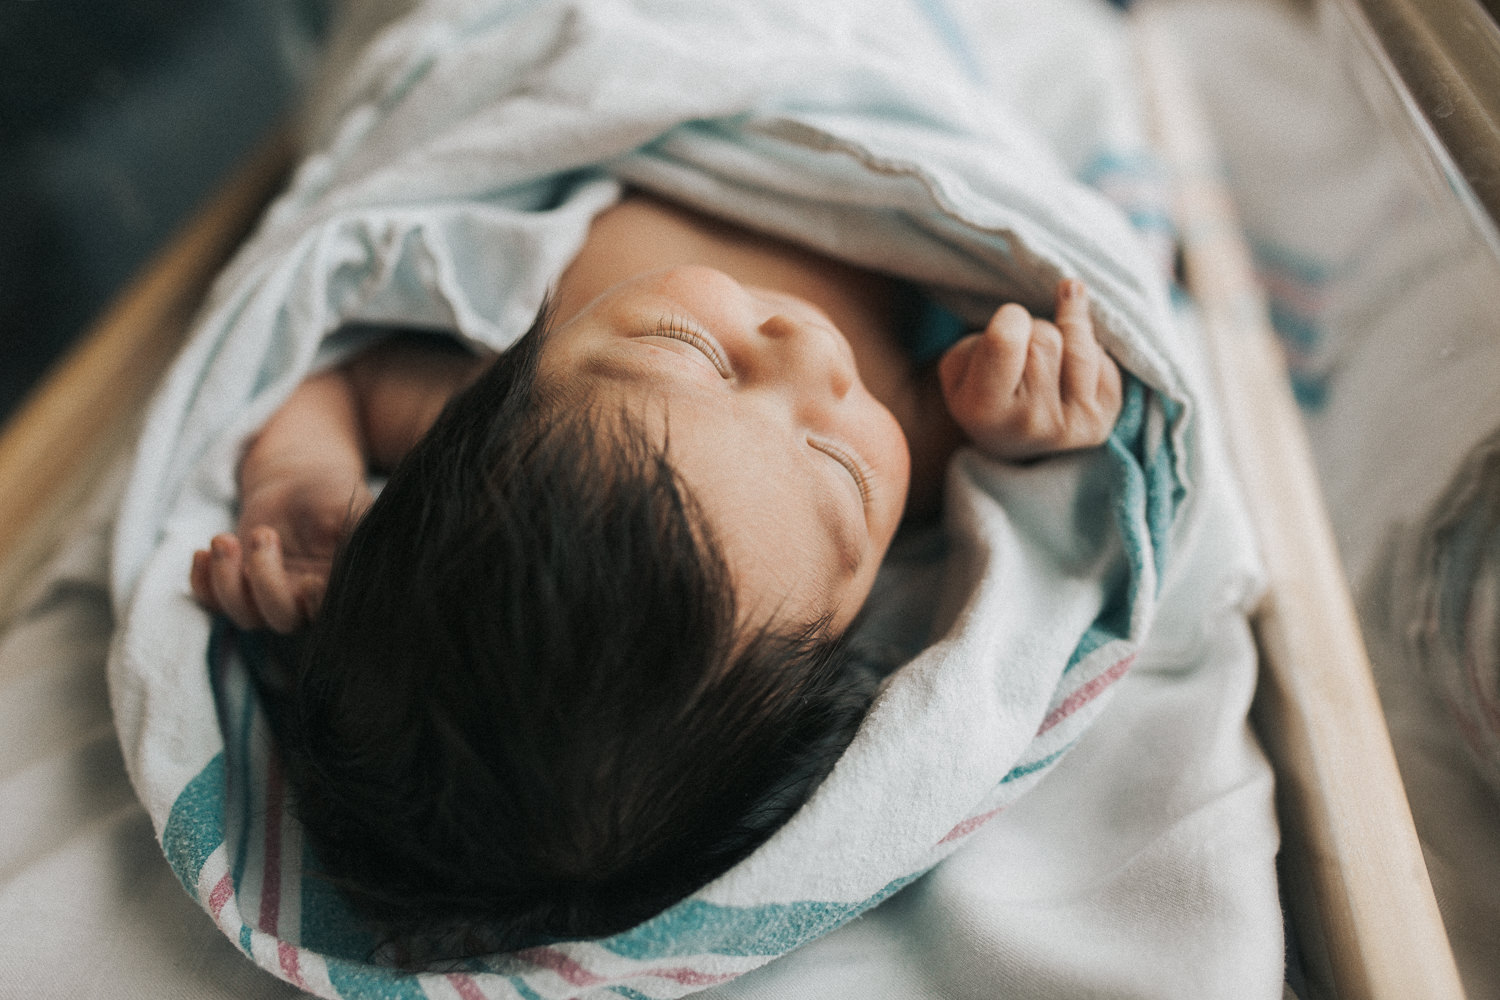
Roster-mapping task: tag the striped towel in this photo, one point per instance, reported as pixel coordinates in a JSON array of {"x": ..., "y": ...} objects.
[{"x": 473, "y": 144}]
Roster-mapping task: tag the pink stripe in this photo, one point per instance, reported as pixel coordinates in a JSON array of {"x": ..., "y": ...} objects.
[
  {"x": 690, "y": 977},
  {"x": 1086, "y": 694},
  {"x": 290, "y": 963},
  {"x": 220, "y": 895},
  {"x": 577, "y": 975},
  {"x": 556, "y": 961},
  {"x": 270, "y": 887},
  {"x": 466, "y": 987},
  {"x": 969, "y": 825}
]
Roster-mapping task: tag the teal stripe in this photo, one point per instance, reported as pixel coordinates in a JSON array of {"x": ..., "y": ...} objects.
[
  {"x": 1093, "y": 638},
  {"x": 1111, "y": 625},
  {"x": 1150, "y": 220},
  {"x": 695, "y": 927},
  {"x": 195, "y": 826},
  {"x": 1143, "y": 496},
  {"x": 1166, "y": 494},
  {"x": 1296, "y": 265},
  {"x": 1310, "y": 391},
  {"x": 527, "y": 993},
  {"x": 371, "y": 982},
  {"x": 1127, "y": 447},
  {"x": 1022, "y": 770},
  {"x": 1298, "y": 330},
  {"x": 1119, "y": 163}
]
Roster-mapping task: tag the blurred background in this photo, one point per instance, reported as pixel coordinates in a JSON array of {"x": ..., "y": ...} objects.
[{"x": 116, "y": 120}]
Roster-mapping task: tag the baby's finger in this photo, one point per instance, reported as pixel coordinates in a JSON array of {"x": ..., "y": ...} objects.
[
  {"x": 1006, "y": 343},
  {"x": 986, "y": 368},
  {"x": 1081, "y": 354},
  {"x": 1044, "y": 361},
  {"x": 269, "y": 585},
  {"x": 200, "y": 580},
  {"x": 1073, "y": 305},
  {"x": 1110, "y": 392},
  {"x": 226, "y": 574}
]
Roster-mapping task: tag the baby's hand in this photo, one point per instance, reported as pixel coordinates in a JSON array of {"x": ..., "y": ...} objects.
[
  {"x": 1025, "y": 387},
  {"x": 272, "y": 571}
]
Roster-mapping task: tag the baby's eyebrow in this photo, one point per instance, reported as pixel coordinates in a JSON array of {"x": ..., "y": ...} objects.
[{"x": 611, "y": 365}]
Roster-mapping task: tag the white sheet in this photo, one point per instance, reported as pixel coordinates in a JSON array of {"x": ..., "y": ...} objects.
[{"x": 88, "y": 905}]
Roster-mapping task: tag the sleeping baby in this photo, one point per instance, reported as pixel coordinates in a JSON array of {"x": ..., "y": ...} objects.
[{"x": 588, "y": 647}]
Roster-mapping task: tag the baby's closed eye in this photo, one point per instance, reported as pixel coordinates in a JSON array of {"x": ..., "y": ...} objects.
[
  {"x": 850, "y": 462},
  {"x": 681, "y": 329}
]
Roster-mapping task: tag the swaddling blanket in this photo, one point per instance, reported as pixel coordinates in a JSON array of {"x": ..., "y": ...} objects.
[{"x": 467, "y": 152}]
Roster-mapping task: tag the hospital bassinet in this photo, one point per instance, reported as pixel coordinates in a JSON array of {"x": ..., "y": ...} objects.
[{"x": 1362, "y": 916}]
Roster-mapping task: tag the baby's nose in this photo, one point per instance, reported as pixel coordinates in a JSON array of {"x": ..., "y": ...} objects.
[{"x": 814, "y": 350}]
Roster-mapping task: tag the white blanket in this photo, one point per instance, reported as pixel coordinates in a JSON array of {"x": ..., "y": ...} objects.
[{"x": 467, "y": 152}]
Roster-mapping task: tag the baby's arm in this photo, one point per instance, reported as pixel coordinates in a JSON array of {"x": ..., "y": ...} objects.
[
  {"x": 1026, "y": 387},
  {"x": 302, "y": 479}
]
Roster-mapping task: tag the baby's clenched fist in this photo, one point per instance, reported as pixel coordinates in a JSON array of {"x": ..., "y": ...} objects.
[{"x": 1024, "y": 387}]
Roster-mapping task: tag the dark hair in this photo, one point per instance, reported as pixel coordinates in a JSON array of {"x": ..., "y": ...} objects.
[{"x": 525, "y": 710}]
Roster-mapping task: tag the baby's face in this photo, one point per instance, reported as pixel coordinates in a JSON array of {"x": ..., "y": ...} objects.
[{"x": 801, "y": 473}]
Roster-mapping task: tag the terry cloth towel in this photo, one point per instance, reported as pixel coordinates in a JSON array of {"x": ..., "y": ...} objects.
[{"x": 468, "y": 149}]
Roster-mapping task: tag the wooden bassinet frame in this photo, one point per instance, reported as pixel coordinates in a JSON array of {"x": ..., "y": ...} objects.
[
  {"x": 1365, "y": 921},
  {"x": 1363, "y": 917},
  {"x": 86, "y": 412}
]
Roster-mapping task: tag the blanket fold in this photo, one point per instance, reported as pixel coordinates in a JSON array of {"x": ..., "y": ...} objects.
[{"x": 473, "y": 144}]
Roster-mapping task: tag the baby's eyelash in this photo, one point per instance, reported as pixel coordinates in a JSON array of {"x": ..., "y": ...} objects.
[
  {"x": 848, "y": 461},
  {"x": 679, "y": 329}
]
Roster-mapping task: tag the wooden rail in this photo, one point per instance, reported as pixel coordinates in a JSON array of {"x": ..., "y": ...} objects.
[{"x": 87, "y": 408}]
